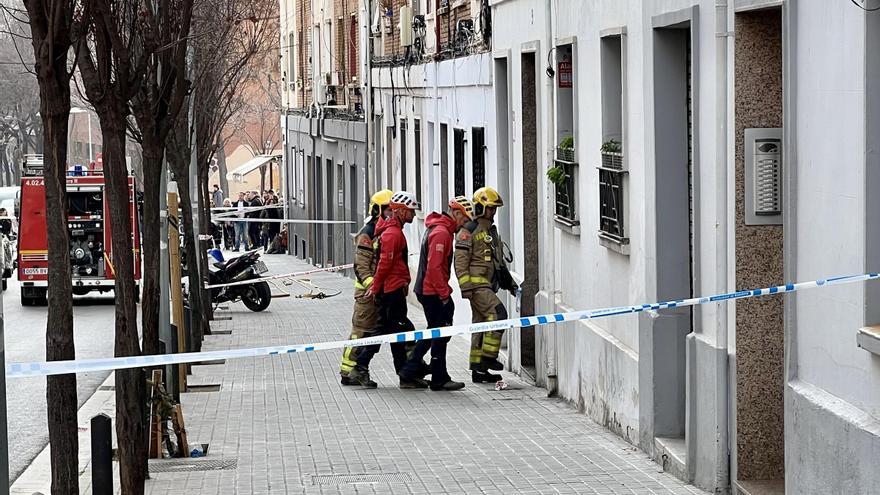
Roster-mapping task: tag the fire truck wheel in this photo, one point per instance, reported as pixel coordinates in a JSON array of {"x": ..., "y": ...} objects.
[
  {"x": 42, "y": 298},
  {"x": 257, "y": 296}
]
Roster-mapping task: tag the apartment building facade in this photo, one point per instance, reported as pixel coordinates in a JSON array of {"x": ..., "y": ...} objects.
[
  {"x": 649, "y": 151},
  {"x": 325, "y": 146}
]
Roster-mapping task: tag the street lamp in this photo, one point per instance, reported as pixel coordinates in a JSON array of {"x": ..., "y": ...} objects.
[{"x": 75, "y": 110}]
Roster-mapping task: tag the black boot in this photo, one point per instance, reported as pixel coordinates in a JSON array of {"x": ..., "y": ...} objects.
[
  {"x": 484, "y": 377},
  {"x": 360, "y": 376},
  {"x": 449, "y": 385},
  {"x": 345, "y": 380}
]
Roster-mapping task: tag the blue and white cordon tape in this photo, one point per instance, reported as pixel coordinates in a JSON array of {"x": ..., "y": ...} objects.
[{"x": 85, "y": 365}]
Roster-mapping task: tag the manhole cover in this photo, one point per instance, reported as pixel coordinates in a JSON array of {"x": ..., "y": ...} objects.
[
  {"x": 193, "y": 464},
  {"x": 342, "y": 479}
]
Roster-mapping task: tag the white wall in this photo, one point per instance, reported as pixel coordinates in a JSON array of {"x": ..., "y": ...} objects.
[
  {"x": 456, "y": 92},
  {"x": 831, "y": 203}
]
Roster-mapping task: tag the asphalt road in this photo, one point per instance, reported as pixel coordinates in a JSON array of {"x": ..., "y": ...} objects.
[{"x": 25, "y": 329}]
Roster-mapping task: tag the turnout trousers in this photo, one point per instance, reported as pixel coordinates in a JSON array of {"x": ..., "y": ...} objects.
[{"x": 485, "y": 306}]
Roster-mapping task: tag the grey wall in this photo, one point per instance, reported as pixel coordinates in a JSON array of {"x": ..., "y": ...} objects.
[{"x": 341, "y": 142}]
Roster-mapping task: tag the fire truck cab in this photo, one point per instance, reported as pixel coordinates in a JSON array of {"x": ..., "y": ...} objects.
[{"x": 88, "y": 224}]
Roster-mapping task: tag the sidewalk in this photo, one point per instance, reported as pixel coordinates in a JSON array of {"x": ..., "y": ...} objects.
[{"x": 283, "y": 424}]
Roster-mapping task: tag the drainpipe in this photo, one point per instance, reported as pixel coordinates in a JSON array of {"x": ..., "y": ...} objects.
[
  {"x": 550, "y": 251},
  {"x": 367, "y": 95},
  {"x": 724, "y": 193}
]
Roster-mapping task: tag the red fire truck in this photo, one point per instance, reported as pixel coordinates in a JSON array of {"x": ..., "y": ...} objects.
[{"x": 88, "y": 223}]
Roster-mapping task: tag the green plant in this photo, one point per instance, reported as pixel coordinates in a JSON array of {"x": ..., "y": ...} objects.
[
  {"x": 567, "y": 143},
  {"x": 610, "y": 146},
  {"x": 556, "y": 174}
]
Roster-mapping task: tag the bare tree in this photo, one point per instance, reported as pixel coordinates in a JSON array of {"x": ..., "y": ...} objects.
[
  {"x": 257, "y": 123},
  {"x": 114, "y": 56},
  {"x": 156, "y": 108},
  {"x": 52, "y": 33},
  {"x": 20, "y": 126}
]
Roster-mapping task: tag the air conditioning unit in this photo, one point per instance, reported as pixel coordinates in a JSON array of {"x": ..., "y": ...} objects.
[
  {"x": 406, "y": 30},
  {"x": 336, "y": 80}
]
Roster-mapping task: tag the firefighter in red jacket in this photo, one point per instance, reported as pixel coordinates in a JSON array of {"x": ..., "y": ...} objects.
[
  {"x": 433, "y": 291},
  {"x": 389, "y": 288},
  {"x": 365, "y": 315}
]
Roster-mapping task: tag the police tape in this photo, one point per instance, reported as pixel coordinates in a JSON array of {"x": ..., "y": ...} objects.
[
  {"x": 280, "y": 220},
  {"x": 283, "y": 276},
  {"x": 18, "y": 370}
]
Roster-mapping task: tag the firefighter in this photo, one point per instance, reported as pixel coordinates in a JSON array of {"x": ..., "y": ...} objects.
[
  {"x": 433, "y": 291},
  {"x": 389, "y": 288},
  {"x": 363, "y": 320},
  {"x": 481, "y": 268}
]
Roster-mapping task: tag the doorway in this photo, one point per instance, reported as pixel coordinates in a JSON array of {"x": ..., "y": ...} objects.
[
  {"x": 531, "y": 165},
  {"x": 675, "y": 214},
  {"x": 502, "y": 144}
]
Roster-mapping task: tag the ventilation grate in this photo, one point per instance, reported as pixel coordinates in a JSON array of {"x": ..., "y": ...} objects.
[
  {"x": 343, "y": 479},
  {"x": 193, "y": 464}
]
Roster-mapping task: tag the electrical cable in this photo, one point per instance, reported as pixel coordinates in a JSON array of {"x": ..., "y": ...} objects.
[{"x": 866, "y": 9}]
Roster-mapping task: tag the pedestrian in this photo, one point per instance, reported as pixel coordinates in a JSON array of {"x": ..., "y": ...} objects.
[
  {"x": 228, "y": 227},
  {"x": 481, "y": 269},
  {"x": 217, "y": 196},
  {"x": 366, "y": 313},
  {"x": 434, "y": 293},
  {"x": 389, "y": 288},
  {"x": 240, "y": 226},
  {"x": 254, "y": 227},
  {"x": 272, "y": 226}
]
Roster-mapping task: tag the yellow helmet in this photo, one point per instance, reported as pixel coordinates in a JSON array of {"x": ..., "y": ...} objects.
[
  {"x": 486, "y": 196},
  {"x": 378, "y": 200}
]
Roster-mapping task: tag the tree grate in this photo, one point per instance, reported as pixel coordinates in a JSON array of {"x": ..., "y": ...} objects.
[
  {"x": 193, "y": 464},
  {"x": 342, "y": 479}
]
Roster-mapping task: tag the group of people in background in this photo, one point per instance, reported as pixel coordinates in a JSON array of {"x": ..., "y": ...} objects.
[
  {"x": 463, "y": 237},
  {"x": 250, "y": 233}
]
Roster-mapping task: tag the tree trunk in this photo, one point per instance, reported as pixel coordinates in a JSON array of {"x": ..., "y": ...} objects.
[
  {"x": 221, "y": 168},
  {"x": 61, "y": 389},
  {"x": 130, "y": 383},
  {"x": 152, "y": 166}
]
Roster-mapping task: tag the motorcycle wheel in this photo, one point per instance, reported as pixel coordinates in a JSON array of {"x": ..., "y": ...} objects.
[{"x": 257, "y": 296}]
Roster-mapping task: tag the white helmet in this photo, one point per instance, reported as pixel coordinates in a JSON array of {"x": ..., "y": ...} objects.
[{"x": 404, "y": 199}]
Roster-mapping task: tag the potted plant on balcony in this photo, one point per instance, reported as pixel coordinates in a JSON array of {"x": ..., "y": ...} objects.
[
  {"x": 565, "y": 150},
  {"x": 556, "y": 174},
  {"x": 611, "y": 155}
]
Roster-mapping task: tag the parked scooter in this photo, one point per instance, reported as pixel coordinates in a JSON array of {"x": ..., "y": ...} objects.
[{"x": 255, "y": 296}]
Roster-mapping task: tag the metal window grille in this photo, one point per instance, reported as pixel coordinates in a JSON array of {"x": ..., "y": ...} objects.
[
  {"x": 611, "y": 204},
  {"x": 566, "y": 194},
  {"x": 478, "y": 136},
  {"x": 458, "y": 158}
]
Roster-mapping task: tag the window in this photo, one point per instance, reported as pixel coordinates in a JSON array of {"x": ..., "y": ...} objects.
[
  {"x": 611, "y": 202},
  {"x": 294, "y": 156},
  {"x": 403, "y": 162},
  {"x": 612, "y": 173},
  {"x": 458, "y": 160},
  {"x": 291, "y": 61},
  {"x": 478, "y": 160},
  {"x": 389, "y": 157},
  {"x": 352, "y": 198},
  {"x": 612, "y": 98},
  {"x": 564, "y": 173},
  {"x": 301, "y": 177},
  {"x": 417, "y": 141},
  {"x": 353, "y": 47},
  {"x": 444, "y": 164}
]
